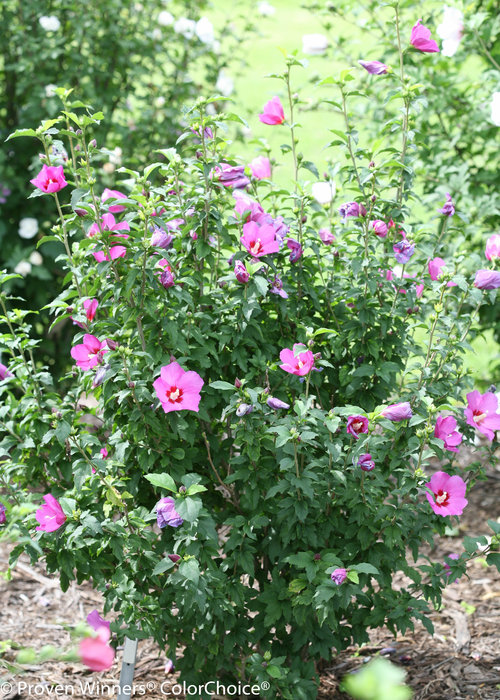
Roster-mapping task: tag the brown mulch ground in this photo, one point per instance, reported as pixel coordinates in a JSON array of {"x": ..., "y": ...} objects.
[{"x": 460, "y": 662}]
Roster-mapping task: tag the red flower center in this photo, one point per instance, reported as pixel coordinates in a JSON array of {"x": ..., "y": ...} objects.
[
  {"x": 174, "y": 394},
  {"x": 442, "y": 498},
  {"x": 357, "y": 426},
  {"x": 478, "y": 416},
  {"x": 256, "y": 247}
]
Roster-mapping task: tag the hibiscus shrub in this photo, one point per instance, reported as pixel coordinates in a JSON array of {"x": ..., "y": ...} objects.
[{"x": 240, "y": 459}]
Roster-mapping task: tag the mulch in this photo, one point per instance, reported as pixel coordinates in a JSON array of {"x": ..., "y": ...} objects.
[{"x": 460, "y": 662}]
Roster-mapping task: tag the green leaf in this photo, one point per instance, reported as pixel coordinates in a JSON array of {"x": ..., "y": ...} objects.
[
  {"x": 163, "y": 565},
  {"x": 223, "y": 386},
  {"x": 163, "y": 481},
  {"x": 21, "y": 132},
  {"x": 493, "y": 559},
  {"x": 190, "y": 570}
]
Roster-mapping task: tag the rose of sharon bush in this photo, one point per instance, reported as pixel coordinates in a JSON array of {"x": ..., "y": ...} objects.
[{"x": 216, "y": 529}]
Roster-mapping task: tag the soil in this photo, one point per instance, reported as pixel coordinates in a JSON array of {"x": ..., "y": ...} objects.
[{"x": 460, "y": 662}]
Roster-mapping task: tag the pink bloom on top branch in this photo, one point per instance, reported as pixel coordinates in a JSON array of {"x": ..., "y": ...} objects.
[
  {"x": 379, "y": 228},
  {"x": 272, "y": 113},
  {"x": 261, "y": 168},
  {"x": 487, "y": 279},
  {"x": 51, "y": 515},
  {"x": 448, "y": 209},
  {"x": 114, "y": 194},
  {"x": 95, "y": 652},
  {"x": 166, "y": 513},
  {"x": 297, "y": 362},
  {"x": 374, "y": 67},
  {"x": 492, "y": 250},
  {"x": 397, "y": 412},
  {"x": 446, "y": 430},
  {"x": 446, "y": 494},
  {"x": 259, "y": 240},
  {"x": 50, "y": 179},
  {"x": 177, "y": 389},
  {"x": 481, "y": 413},
  {"x": 89, "y": 353},
  {"x": 357, "y": 425},
  {"x": 421, "y": 39}
]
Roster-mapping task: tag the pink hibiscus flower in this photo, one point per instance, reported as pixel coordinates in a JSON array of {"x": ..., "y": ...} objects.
[
  {"x": 50, "y": 179},
  {"x": 272, "y": 113},
  {"x": 89, "y": 353},
  {"x": 51, "y": 515},
  {"x": 357, "y": 425},
  {"x": 177, "y": 389},
  {"x": 481, "y": 413},
  {"x": 294, "y": 362},
  {"x": 446, "y": 430},
  {"x": 421, "y": 39},
  {"x": 259, "y": 240},
  {"x": 114, "y": 194},
  {"x": 95, "y": 652},
  {"x": 446, "y": 494}
]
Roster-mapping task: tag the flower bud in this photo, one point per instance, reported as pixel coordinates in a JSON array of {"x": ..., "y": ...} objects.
[
  {"x": 174, "y": 557},
  {"x": 237, "y": 383},
  {"x": 112, "y": 344},
  {"x": 276, "y": 404},
  {"x": 243, "y": 409},
  {"x": 182, "y": 489},
  {"x": 93, "y": 143}
]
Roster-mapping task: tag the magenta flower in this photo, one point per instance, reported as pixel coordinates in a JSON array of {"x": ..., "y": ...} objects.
[
  {"x": 114, "y": 194},
  {"x": 261, "y": 168},
  {"x": 403, "y": 250},
  {"x": 374, "y": 67},
  {"x": 51, "y": 515},
  {"x": 50, "y": 179},
  {"x": 166, "y": 513},
  {"x": 338, "y": 576},
  {"x": 492, "y": 250},
  {"x": 295, "y": 362},
  {"x": 421, "y": 39},
  {"x": 481, "y": 413},
  {"x": 167, "y": 278},
  {"x": 397, "y": 411},
  {"x": 95, "y": 652},
  {"x": 96, "y": 621},
  {"x": 90, "y": 306},
  {"x": 3, "y": 516},
  {"x": 379, "y": 228},
  {"x": 435, "y": 267},
  {"x": 277, "y": 287},
  {"x": 326, "y": 236},
  {"x": 231, "y": 175},
  {"x": 4, "y": 372},
  {"x": 448, "y": 208},
  {"x": 240, "y": 272},
  {"x": 446, "y": 430},
  {"x": 104, "y": 452},
  {"x": 272, "y": 113},
  {"x": 295, "y": 248},
  {"x": 259, "y": 240},
  {"x": 177, "y": 389},
  {"x": 351, "y": 209},
  {"x": 487, "y": 279},
  {"x": 357, "y": 425},
  {"x": 108, "y": 223},
  {"x": 169, "y": 665},
  {"x": 89, "y": 353},
  {"x": 276, "y": 404},
  {"x": 446, "y": 494},
  {"x": 366, "y": 462},
  {"x": 160, "y": 238}
]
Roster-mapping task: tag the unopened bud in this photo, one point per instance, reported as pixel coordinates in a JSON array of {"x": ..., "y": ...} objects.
[
  {"x": 174, "y": 557},
  {"x": 112, "y": 344},
  {"x": 182, "y": 489},
  {"x": 243, "y": 409},
  {"x": 237, "y": 383},
  {"x": 93, "y": 143}
]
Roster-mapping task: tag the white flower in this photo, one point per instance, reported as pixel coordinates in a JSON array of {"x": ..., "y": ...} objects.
[
  {"x": 115, "y": 156},
  {"x": 186, "y": 27},
  {"x": 165, "y": 18},
  {"x": 156, "y": 34},
  {"x": 224, "y": 84},
  {"x": 450, "y": 30},
  {"x": 23, "y": 268},
  {"x": 28, "y": 227},
  {"x": 314, "y": 44},
  {"x": 50, "y": 90},
  {"x": 205, "y": 31},
  {"x": 266, "y": 9},
  {"x": 495, "y": 109},
  {"x": 160, "y": 102},
  {"x": 108, "y": 168},
  {"x": 35, "y": 258},
  {"x": 324, "y": 192},
  {"x": 50, "y": 24}
]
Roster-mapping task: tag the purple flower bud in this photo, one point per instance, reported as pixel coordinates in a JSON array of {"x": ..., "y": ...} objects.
[
  {"x": 317, "y": 557},
  {"x": 166, "y": 513},
  {"x": 366, "y": 462},
  {"x": 174, "y": 557},
  {"x": 3, "y": 516},
  {"x": 487, "y": 279},
  {"x": 243, "y": 409},
  {"x": 379, "y": 228},
  {"x": 448, "y": 208},
  {"x": 296, "y": 249},
  {"x": 326, "y": 236},
  {"x": 397, "y": 412},
  {"x": 93, "y": 143},
  {"x": 182, "y": 489},
  {"x": 276, "y": 404},
  {"x": 169, "y": 666},
  {"x": 80, "y": 212},
  {"x": 339, "y": 576},
  {"x": 374, "y": 67},
  {"x": 100, "y": 376},
  {"x": 351, "y": 209},
  {"x": 237, "y": 383},
  {"x": 167, "y": 278},
  {"x": 231, "y": 175},
  {"x": 240, "y": 272},
  {"x": 160, "y": 238}
]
